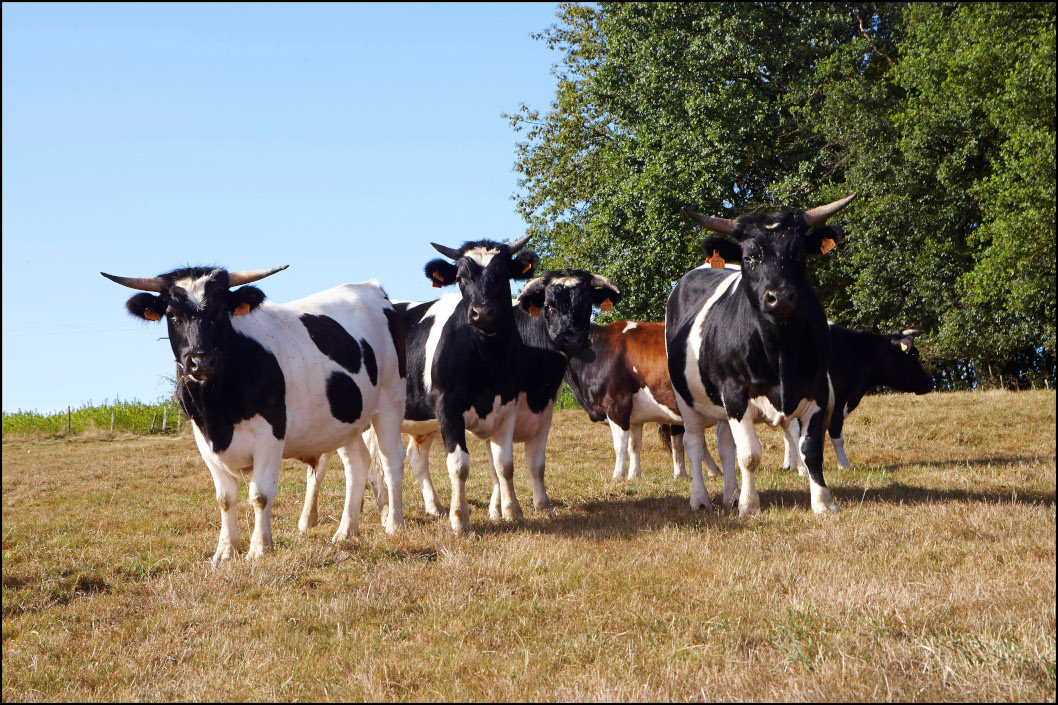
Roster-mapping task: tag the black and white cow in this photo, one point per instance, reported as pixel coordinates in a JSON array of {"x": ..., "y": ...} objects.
[
  {"x": 462, "y": 351},
  {"x": 753, "y": 344},
  {"x": 261, "y": 382},
  {"x": 859, "y": 362}
]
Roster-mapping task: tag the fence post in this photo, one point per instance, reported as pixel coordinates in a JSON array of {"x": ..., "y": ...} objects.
[
  {"x": 67, "y": 421},
  {"x": 111, "y": 420},
  {"x": 153, "y": 420},
  {"x": 165, "y": 417}
]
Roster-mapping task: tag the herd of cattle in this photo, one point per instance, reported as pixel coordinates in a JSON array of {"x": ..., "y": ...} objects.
[{"x": 745, "y": 340}]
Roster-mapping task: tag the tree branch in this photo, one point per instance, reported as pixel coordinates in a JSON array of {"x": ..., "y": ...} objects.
[{"x": 863, "y": 31}]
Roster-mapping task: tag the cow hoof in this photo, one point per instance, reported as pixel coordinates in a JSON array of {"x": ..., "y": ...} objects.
[
  {"x": 225, "y": 552},
  {"x": 635, "y": 474},
  {"x": 394, "y": 527},
  {"x": 546, "y": 509},
  {"x": 342, "y": 534},
  {"x": 257, "y": 551},
  {"x": 700, "y": 498},
  {"x": 307, "y": 522},
  {"x": 680, "y": 475},
  {"x": 749, "y": 509},
  {"x": 436, "y": 510}
]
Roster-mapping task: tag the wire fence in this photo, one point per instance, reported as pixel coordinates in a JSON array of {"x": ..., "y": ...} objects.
[{"x": 162, "y": 417}]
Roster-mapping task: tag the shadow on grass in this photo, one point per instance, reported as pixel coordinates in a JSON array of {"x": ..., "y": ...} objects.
[
  {"x": 899, "y": 493},
  {"x": 966, "y": 462}
]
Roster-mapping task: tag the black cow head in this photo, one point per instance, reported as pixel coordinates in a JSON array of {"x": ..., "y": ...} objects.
[
  {"x": 484, "y": 270},
  {"x": 565, "y": 298},
  {"x": 771, "y": 249},
  {"x": 901, "y": 368},
  {"x": 197, "y": 303}
]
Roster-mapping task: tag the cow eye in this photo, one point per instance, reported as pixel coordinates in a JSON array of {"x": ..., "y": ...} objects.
[{"x": 750, "y": 258}]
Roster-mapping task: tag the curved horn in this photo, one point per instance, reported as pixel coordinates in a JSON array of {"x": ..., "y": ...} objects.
[
  {"x": 153, "y": 284},
  {"x": 447, "y": 251},
  {"x": 518, "y": 244},
  {"x": 532, "y": 288},
  {"x": 601, "y": 281},
  {"x": 819, "y": 214},
  {"x": 720, "y": 225},
  {"x": 911, "y": 332},
  {"x": 240, "y": 278}
]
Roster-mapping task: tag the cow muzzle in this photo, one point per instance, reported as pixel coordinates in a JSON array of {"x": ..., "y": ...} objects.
[
  {"x": 199, "y": 367},
  {"x": 779, "y": 303},
  {"x": 482, "y": 317}
]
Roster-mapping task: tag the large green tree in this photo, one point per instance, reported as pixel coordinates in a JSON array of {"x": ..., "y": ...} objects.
[{"x": 940, "y": 116}]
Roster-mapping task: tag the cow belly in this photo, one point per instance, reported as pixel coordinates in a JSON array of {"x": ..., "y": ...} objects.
[
  {"x": 420, "y": 428},
  {"x": 487, "y": 426},
  {"x": 646, "y": 409},
  {"x": 767, "y": 413},
  {"x": 530, "y": 424}
]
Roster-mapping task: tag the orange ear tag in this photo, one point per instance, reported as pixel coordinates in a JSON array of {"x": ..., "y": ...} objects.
[
  {"x": 241, "y": 309},
  {"x": 151, "y": 315},
  {"x": 606, "y": 305},
  {"x": 527, "y": 267},
  {"x": 716, "y": 261},
  {"x": 533, "y": 310},
  {"x": 827, "y": 245},
  {"x": 438, "y": 276}
]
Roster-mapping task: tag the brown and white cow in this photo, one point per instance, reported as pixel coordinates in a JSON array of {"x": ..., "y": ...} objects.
[{"x": 624, "y": 379}]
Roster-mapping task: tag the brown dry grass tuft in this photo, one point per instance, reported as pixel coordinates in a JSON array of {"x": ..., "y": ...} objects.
[{"x": 935, "y": 582}]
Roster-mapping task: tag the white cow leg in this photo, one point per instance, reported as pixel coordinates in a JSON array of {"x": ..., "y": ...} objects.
[
  {"x": 502, "y": 451},
  {"x": 419, "y": 457},
  {"x": 710, "y": 464},
  {"x": 791, "y": 441},
  {"x": 228, "y": 500},
  {"x": 694, "y": 444},
  {"x": 387, "y": 429},
  {"x": 458, "y": 471},
  {"x": 747, "y": 446},
  {"x": 725, "y": 449},
  {"x": 495, "y": 513},
  {"x": 839, "y": 450},
  {"x": 635, "y": 449},
  {"x": 263, "y": 484},
  {"x": 679, "y": 468},
  {"x": 356, "y": 459},
  {"x": 375, "y": 476},
  {"x": 535, "y": 460},
  {"x": 314, "y": 475},
  {"x": 620, "y": 449}
]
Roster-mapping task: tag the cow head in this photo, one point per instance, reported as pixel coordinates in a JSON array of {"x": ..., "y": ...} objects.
[
  {"x": 197, "y": 303},
  {"x": 771, "y": 250},
  {"x": 564, "y": 298},
  {"x": 900, "y": 366},
  {"x": 484, "y": 270}
]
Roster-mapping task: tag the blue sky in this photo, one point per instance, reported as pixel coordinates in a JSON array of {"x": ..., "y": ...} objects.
[{"x": 338, "y": 139}]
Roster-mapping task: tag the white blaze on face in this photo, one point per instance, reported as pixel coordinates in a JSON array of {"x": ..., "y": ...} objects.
[
  {"x": 195, "y": 289},
  {"x": 565, "y": 281},
  {"x": 482, "y": 255}
]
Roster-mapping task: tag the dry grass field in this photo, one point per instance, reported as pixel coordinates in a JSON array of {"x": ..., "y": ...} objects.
[{"x": 935, "y": 582}]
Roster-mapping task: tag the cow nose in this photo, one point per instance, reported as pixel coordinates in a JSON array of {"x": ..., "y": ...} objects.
[
  {"x": 480, "y": 316},
  {"x": 199, "y": 365},
  {"x": 778, "y": 302}
]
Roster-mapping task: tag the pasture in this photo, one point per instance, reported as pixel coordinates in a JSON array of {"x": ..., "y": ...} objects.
[{"x": 935, "y": 582}]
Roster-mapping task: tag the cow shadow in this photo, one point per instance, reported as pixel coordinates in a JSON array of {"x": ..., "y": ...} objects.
[{"x": 966, "y": 462}]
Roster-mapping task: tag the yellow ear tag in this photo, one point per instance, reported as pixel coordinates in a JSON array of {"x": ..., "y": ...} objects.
[
  {"x": 716, "y": 261},
  {"x": 151, "y": 315},
  {"x": 827, "y": 245},
  {"x": 903, "y": 346},
  {"x": 533, "y": 310},
  {"x": 606, "y": 305},
  {"x": 241, "y": 309}
]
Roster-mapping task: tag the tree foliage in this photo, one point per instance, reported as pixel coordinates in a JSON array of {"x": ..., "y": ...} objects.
[{"x": 940, "y": 116}]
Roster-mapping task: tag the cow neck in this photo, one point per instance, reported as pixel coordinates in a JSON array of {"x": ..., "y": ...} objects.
[{"x": 548, "y": 365}]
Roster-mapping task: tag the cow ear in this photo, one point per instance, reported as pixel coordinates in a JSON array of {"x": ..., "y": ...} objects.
[
  {"x": 719, "y": 251},
  {"x": 244, "y": 299},
  {"x": 605, "y": 297},
  {"x": 441, "y": 273},
  {"x": 147, "y": 306},
  {"x": 523, "y": 266},
  {"x": 822, "y": 240},
  {"x": 532, "y": 298}
]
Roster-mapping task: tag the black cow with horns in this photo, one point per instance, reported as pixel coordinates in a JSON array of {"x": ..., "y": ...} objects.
[{"x": 753, "y": 344}]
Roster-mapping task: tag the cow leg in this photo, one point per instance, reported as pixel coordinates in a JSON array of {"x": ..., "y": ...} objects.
[
  {"x": 694, "y": 444},
  {"x": 620, "y": 448},
  {"x": 313, "y": 479},
  {"x": 454, "y": 435},
  {"x": 501, "y": 447},
  {"x": 419, "y": 457},
  {"x": 725, "y": 449},
  {"x": 791, "y": 439},
  {"x": 812, "y": 456},
  {"x": 748, "y": 448},
  {"x": 839, "y": 450},
  {"x": 228, "y": 500},
  {"x": 263, "y": 484},
  {"x": 495, "y": 513},
  {"x": 710, "y": 464},
  {"x": 837, "y": 436},
  {"x": 387, "y": 432},
  {"x": 535, "y": 460},
  {"x": 356, "y": 459},
  {"x": 635, "y": 448},
  {"x": 375, "y": 477},
  {"x": 679, "y": 469}
]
